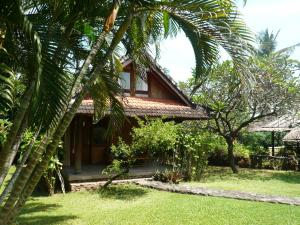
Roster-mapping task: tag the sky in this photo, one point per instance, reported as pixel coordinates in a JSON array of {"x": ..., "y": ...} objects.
[{"x": 276, "y": 15}]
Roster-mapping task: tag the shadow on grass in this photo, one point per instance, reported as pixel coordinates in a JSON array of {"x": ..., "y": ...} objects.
[
  {"x": 289, "y": 177},
  {"x": 123, "y": 192},
  {"x": 31, "y": 214},
  {"x": 225, "y": 173}
]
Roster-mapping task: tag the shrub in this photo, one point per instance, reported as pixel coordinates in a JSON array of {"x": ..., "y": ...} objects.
[
  {"x": 155, "y": 137},
  {"x": 171, "y": 176},
  {"x": 194, "y": 146},
  {"x": 123, "y": 158},
  {"x": 219, "y": 156}
]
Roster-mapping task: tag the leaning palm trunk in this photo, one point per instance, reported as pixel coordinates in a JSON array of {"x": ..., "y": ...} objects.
[
  {"x": 16, "y": 174},
  {"x": 31, "y": 175},
  {"x": 40, "y": 168},
  {"x": 8, "y": 153}
]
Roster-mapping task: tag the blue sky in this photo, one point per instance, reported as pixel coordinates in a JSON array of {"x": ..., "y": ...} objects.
[{"x": 284, "y": 15}]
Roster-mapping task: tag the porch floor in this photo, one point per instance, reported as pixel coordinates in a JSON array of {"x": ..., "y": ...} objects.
[{"x": 94, "y": 172}]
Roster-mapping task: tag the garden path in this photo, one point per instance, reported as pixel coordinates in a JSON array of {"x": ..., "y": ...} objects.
[{"x": 186, "y": 189}]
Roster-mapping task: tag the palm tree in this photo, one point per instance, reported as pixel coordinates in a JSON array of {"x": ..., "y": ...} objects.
[
  {"x": 138, "y": 23},
  {"x": 266, "y": 42}
]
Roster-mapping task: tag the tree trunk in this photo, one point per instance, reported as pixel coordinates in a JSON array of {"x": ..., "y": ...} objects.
[
  {"x": 110, "y": 180},
  {"x": 231, "y": 162},
  {"x": 7, "y": 153},
  {"x": 16, "y": 174}
]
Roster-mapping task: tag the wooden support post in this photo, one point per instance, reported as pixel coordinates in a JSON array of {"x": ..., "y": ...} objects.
[
  {"x": 67, "y": 148},
  {"x": 78, "y": 151},
  {"x": 273, "y": 143},
  {"x": 132, "y": 81}
]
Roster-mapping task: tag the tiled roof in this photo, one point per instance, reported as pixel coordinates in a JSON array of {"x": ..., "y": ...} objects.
[
  {"x": 144, "y": 106},
  {"x": 86, "y": 107}
]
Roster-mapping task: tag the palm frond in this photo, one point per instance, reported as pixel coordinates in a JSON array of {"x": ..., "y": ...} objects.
[
  {"x": 106, "y": 94},
  {"x": 7, "y": 76},
  {"x": 208, "y": 24}
]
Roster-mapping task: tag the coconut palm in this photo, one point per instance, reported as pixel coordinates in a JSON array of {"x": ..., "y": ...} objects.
[{"x": 82, "y": 55}]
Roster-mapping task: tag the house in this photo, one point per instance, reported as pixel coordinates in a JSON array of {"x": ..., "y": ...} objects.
[{"x": 155, "y": 95}]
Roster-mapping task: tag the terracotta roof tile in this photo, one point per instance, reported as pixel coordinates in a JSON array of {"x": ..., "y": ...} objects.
[{"x": 144, "y": 106}]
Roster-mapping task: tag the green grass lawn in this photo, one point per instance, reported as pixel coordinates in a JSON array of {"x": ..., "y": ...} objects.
[
  {"x": 128, "y": 204},
  {"x": 286, "y": 183}
]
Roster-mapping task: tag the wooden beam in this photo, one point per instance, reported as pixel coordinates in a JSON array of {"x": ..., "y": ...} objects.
[
  {"x": 78, "y": 151},
  {"x": 67, "y": 149},
  {"x": 132, "y": 81},
  {"x": 273, "y": 143}
]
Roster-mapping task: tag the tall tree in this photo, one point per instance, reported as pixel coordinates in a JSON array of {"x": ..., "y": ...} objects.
[
  {"x": 267, "y": 42},
  {"x": 232, "y": 106}
]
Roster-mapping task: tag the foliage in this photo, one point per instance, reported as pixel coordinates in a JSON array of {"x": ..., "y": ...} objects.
[
  {"x": 53, "y": 172},
  {"x": 257, "y": 142},
  {"x": 123, "y": 157},
  {"x": 171, "y": 176},
  {"x": 267, "y": 42},
  {"x": 183, "y": 146},
  {"x": 219, "y": 155},
  {"x": 4, "y": 127},
  {"x": 233, "y": 107},
  {"x": 193, "y": 148},
  {"x": 241, "y": 150},
  {"x": 152, "y": 137},
  {"x": 156, "y": 137},
  {"x": 288, "y": 162}
]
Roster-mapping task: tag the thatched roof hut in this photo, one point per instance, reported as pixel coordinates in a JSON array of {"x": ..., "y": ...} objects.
[
  {"x": 281, "y": 124},
  {"x": 293, "y": 135}
]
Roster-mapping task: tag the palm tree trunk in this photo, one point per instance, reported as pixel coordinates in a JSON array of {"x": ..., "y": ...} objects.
[
  {"x": 16, "y": 174},
  {"x": 20, "y": 193},
  {"x": 7, "y": 154},
  {"x": 40, "y": 168}
]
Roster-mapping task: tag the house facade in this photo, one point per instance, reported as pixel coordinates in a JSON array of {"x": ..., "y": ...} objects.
[{"x": 153, "y": 95}]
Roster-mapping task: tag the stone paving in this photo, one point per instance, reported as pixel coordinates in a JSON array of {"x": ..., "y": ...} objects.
[
  {"x": 94, "y": 185},
  {"x": 186, "y": 189}
]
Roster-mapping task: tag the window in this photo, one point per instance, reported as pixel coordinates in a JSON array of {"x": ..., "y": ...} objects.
[
  {"x": 141, "y": 84},
  {"x": 124, "y": 80}
]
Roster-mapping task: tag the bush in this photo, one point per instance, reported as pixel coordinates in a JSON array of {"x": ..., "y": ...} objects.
[
  {"x": 194, "y": 147},
  {"x": 258, "y": 142},
  {"x": 171, "y": 176},
  {"x": 219, "y": 155},
  {"x": 123, "y": 158},
  {"x": 274, "y": 162},
  {"x": 155, "y": 137}
]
